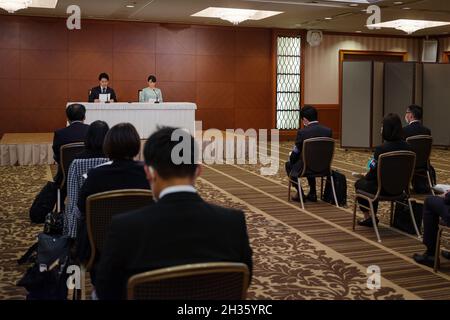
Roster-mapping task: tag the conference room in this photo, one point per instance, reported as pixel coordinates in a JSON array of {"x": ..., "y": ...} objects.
[{"x": 256, "y": 150}]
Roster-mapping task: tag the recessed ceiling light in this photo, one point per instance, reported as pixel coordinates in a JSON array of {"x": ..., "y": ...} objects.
[
  {"x": 408, "y": 25},
  {"x": 358, "y": 31},
  {"x": 398, "y": 3},
  {"x": 130, "y": 6},
  {"x": 406, "y": 8},
  {"x": 235, "y": 16},
  {"x": 328, "y": 18}
]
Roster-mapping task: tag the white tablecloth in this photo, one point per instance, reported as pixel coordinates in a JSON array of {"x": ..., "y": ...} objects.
[{"x": 144, "y": 116}]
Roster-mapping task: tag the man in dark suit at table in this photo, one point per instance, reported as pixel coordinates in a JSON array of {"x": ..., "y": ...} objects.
[
  {"x": 94, "y": 94},
  {"x": 75, "y": 132},
  {"x": 415, "y": 127},
  {"x": 180, "y": 228},
  {"x": 294, "y": 166}
]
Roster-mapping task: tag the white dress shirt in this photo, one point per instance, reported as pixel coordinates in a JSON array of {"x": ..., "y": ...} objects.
[{"x": 176, "y": 189}]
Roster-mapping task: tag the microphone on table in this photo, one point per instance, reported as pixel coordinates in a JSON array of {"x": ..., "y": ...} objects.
[{"x": 157, "y": 96}]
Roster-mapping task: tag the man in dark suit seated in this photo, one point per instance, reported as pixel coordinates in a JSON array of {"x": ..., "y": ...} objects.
[
  {"x": 415, "y": 127},
  {"x": 294, "y": 166},
  {"x": 94, "y": 94},
  {"x": 180, "y": 228},
  {"x": 75, "y": 132},
  {"x": 435, "y": 207}
]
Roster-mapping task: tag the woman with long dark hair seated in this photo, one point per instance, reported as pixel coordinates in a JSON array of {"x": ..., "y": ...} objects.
[
  {"x": 122, "y": 144},
  {"x": 392, "y": 133}
]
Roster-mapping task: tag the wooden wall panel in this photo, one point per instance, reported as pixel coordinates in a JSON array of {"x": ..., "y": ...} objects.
[
  {"x": 10, "y": 64},
  {"x": 225, "y": 70}
]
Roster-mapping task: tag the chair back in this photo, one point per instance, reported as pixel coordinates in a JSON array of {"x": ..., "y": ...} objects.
[
  {"x": 317, "y": 156},
  {"x": 100, "y": 209},
  {"x": 421, "y": 145},
  {"x": 395, "y": 171},
  {"x": 203, "y": 281},
  {"x": 67, "y": 154}
]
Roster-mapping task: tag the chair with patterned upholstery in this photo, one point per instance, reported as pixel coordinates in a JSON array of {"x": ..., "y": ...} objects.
[{"x": 202, "y": 281}]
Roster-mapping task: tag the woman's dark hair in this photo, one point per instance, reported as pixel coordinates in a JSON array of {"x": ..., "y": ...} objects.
[
  {"x": 151, "y": 78},
  {"x": 96, "y": 135},
  {"x": 122, "y": 142},
  {"x": 103, "y": 75},
  {"x": 392, "y": 127}
]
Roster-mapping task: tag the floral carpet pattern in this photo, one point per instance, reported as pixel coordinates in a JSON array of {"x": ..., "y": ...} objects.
[{"x": 287, "y": 263}]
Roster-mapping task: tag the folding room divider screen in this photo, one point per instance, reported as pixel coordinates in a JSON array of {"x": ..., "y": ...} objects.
[
  {"x": 436, "y": 101},
  {"x": 362, "y": 103},
  {"x": 371, "y": 90}
]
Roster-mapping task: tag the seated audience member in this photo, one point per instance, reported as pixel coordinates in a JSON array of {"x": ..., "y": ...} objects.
[
  {"x": 180, "y": 228},
  {"x": 122, "y": 144},
  {"x": 413, "y": 117},
  {"x": 294, "y": 166},
  {"x": 393, "y": 141},
  {"x": 75, "y": 132},
  {"x": 435, "y": 207},
  {"x": 415, "y": 127},
  {"x": 91, "y": 157}
]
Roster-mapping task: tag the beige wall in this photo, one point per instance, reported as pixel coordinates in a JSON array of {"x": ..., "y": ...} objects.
[{"x": 322, "y": 62}]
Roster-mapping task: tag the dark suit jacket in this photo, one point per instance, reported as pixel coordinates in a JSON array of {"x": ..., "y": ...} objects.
[
  {"x": 314, "y": 130},
  {"x": 388, "y": 146},
  {"x": 95, "y": 92},
  {"x": 121, "y": 174},
  {"x": 76, "y": 132},
  {"x": 179, "y": 229},
  {"x": 415, "y": 129}
]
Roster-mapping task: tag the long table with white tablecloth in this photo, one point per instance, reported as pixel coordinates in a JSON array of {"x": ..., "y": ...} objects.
[{"x": 146, "y": 117}]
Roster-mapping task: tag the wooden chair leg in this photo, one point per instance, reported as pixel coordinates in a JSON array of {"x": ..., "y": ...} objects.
[
  {"x": 411, "y": 211},
  {"x": 374, "y": 220},
  {"x": 354, "y": 213},
  {"x": 300, "y": 192},
  {"x": 437, "y": 253}
]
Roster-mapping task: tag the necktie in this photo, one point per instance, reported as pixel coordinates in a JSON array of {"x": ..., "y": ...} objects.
[{"x": 103, "y": 90}]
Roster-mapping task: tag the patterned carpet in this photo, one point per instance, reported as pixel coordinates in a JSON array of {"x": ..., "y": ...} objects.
[{"x": 289, "y": 264}]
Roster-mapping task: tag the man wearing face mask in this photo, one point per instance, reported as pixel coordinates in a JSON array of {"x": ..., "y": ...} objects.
[
  {"x": 312, "y": 129},
  {"x": 180, "y": 228},
  {"x": 413, "y": 118}
]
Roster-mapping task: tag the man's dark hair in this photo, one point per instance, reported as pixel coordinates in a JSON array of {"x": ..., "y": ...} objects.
[
  {"x": 122, "y": 142},
  {"x": 309, "y": 113},
  {"x": 392, "y": 127},
  {"x": 103, "y": 75},
  {"x": 151, "y": 78},
  {"x": 95, "y": 135},
  {"x": 76, "y": 112},
  {"x": 158, "y": 153},
  {"x": 416, "y": 111}
]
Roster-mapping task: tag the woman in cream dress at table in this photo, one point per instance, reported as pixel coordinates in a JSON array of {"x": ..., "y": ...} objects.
[{"x": 151, "y": 93}]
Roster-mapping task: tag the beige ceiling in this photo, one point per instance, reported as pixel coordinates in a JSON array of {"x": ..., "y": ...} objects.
[{"x": 298, "y": 14}]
